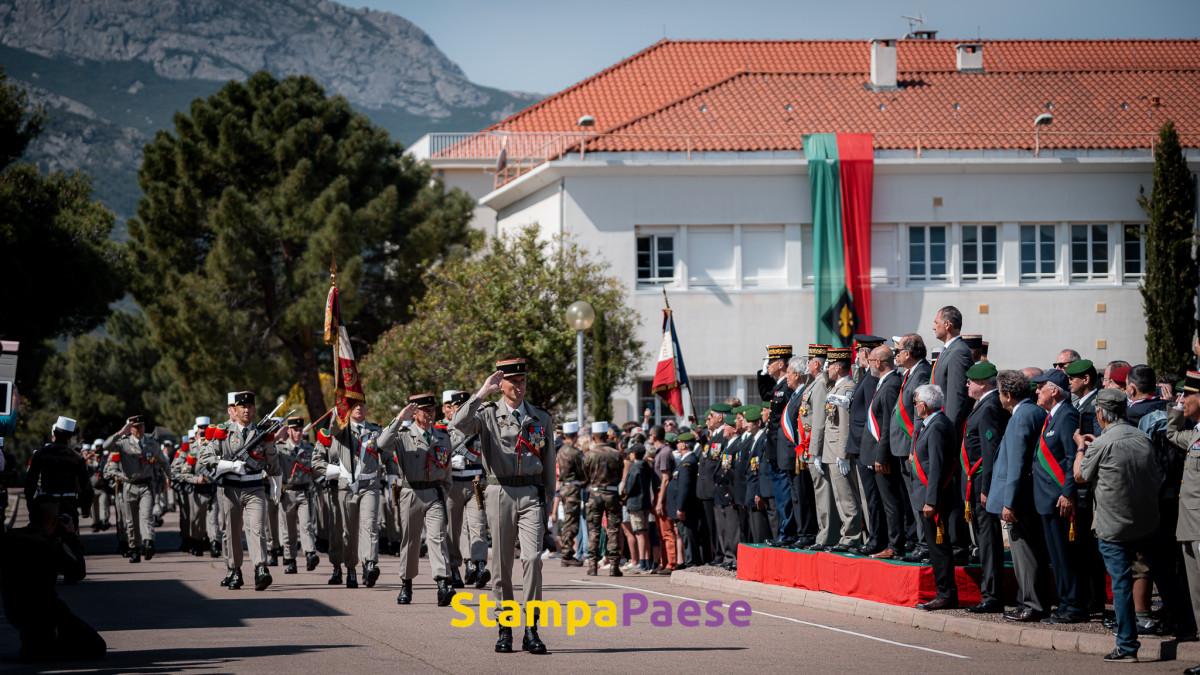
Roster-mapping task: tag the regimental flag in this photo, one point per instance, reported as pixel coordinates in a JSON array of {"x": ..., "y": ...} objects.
[
  {"x": 841, "y": 173},
  {"x": 348, "y": 391},
  {"x": 670, "y": 377}
]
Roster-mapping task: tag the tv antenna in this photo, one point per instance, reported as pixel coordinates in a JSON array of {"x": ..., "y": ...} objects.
[{"x": 914, "y": 22}]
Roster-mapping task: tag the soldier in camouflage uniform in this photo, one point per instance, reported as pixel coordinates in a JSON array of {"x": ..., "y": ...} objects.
[
  {"x": 571, "y": 478},
  {"x": 603, "y": 466},
  {"x": 468, "y": 523},
  {"x": 296, "y": 507},
  {"x": 136, "y": 462}
]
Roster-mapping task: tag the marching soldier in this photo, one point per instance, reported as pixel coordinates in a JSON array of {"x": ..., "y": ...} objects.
[
  {"x": 182, "y": 489},
  {"x": 423, "y": 454},
  {"x": 100, "y": 506},
  {"x": 468, "y": 523},
  {"x": 136, "y": 462},
  {"x": 59, "y": 472},
  {"x": 603, "y": 466},
  {"x": 354, "y": 462},
  {"x": 572, "y": 476},
  {"x": 518, "y": 456},
  {"x": 206, "y": 509},
  {"x": 296, "y": 508},
  {"x": 273, "y": 518},
  {"x": 242, "y": 496}
]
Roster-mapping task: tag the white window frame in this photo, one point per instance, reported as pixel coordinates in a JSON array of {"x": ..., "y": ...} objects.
[
  {"x": 980, "y": 277},
  {"x": 655, "y": 236},
  {"x": 947, "y": 255},
  {"x": 1038, "y": 275},
  {"x": 1090, "y": 275},
  {"x": 1128, "y": 277}
]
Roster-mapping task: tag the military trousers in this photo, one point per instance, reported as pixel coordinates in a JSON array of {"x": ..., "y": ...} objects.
[
  {"x": 605, "y": 503},
  {"x": 390, "y": 528},
  {"x": 184, "y": 507},
  {"x": 244, "y": 508},
  {"x": 423, "y": 507},
  {"x": 271, "y": 515},
  {"x": 729, "y": 522},
  {"x": 138, "y": 501},
  {"x": 568, "y": 529},
  {"x": 823, "y": 498},
  {"x": 468, "y": 525},
  {"x": 100, "y": 509},
  {"x": 297, "y": 513},
  {"x": 206, "y": 515},
  {"x": 360, "y": 526},
  {"x": 1191, "y": 564},
  {"x": 849, "y": 509},
  {"x": 516, "y": 514},
  {"x": 334, "y": 525}
]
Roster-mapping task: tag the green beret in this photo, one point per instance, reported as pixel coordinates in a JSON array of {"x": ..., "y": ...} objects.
[
  {"x": 687, "y": 436},
  {"x": 981, "y": 371},
  {"x": 1079, "y": 367},
  {"x": 730, "y": 419},
  {"x": 671, "y": 438},
  {"x": 740, "y": 409},
  {"x": 721, "y": 408},
  {"x": 766, "y": 405},
  {"x": 753, "y": 414}
]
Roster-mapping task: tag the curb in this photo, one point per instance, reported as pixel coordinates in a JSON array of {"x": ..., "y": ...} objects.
[{"x": 1013, "y": 634}]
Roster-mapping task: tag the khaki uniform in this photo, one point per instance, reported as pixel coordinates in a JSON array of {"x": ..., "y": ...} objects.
[
  {"x": 571, "y": 479},
  {"x": 845, "y": 488},
  {"x": 603, "y": 466},
  {"x": 207, "y": 518},
  {"x": 183, "y": 490},
  {"x": 1187, "y": 531},
  {"x": 468, "y": 522},
  {"x": 242, "y": 498},
  {"x": 100, "y": 508},
  {"x": 424, "y": 459},
  {"x": 518, "y": 456},
  {"x": 812, "y": 419},
  {"x": 355, "y": 458},
  {"x": 136, "y": 466},
  {"x": 297, "y": 510}
]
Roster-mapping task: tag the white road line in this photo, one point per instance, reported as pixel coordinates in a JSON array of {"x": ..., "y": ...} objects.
[{"x": 785, "y": 618}]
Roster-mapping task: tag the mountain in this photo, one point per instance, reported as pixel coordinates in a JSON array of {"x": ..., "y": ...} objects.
[{"x": 113, "y": 72}]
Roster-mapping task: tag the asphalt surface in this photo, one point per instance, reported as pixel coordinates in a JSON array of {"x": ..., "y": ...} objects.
[{"x": 171, "y": 615}]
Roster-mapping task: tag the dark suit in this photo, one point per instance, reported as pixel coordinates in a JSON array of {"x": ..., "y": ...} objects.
[
  {"x": 860, "y": 404},
  {"x": 777, "y": 464},
  {"x": 804, "y": 505},
  {"x": 1092, "y": 573},
  {"x": 1012, "y": 488},
  {"x": 935, "y": 467},
  {"x": 950, "y": 373},
  {"x": 681, "y": 496},
  {"x": 729, "y": 524},
  {"x": 984, "y": 431},
  {"x": 1057, "y": 438},
  {"x": 710, "y": 459},
  {"x": 758, "y": 484},
  {"x": 889, "y": 486},
  {"x": 901, "y": 442}
]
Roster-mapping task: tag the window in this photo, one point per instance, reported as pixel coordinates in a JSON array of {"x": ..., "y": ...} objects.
[
  {"x": 710, "y": 256},
  {"x": 656, "y": 259},
  {"x": 1134, "y": 237},
  {"x": 764, "y": 259},
  {"x": 1037, "y": 252},
  {"x": 1089, "y": 251},
  {"x": 709, "y": 390},
  {"x": 980, "y": 254},
  {"x": 927, "y": 252}
]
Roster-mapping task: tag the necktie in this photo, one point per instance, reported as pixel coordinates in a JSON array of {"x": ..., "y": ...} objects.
[
  {"x": 245, "y": 432},
  {"x": 427, "y": 436},
  {"x": 517, "y": 416}
]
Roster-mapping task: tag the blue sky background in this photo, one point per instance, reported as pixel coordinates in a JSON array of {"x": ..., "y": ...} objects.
[{"x": 544, "y": 47}]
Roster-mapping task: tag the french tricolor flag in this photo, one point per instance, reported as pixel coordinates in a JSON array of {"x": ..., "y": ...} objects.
[{"x": 670, "y": 376}]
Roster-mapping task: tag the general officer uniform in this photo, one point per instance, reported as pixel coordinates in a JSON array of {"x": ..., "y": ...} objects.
[
  {"x": 838, "y": 467},
  {"x": 1184, "y": 436},
  {"x": 603, "y": 467},
  {"x": 136, "y": 462},
  {"x": 812, "y": 426},
  {"x": 572, "y": 476},
  {"x": 775, "y": 394},
  {"x": 468, "y": 522}
]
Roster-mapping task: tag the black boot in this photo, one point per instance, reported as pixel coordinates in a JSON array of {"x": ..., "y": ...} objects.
[
  {"x": 122, "y": 550},
  {"x": 531, "y": 642},
  {"x": 424, "y": 549},
  {"x": 445, "y": 592},
  {"x": 336, "y": 578},
  {"x": 481, "y": 581},
  {"x": 405, "y": 596},
  {"x": 471, "y": 573},
  {"x": 262, "y": 578},
  {"x": 504, "y": 644},
  {"x": 214, "y": 548},
  {"x": 185, "y": 543},
  {"x": 370, "y": 573},
  {"x": 456, "y": 580},
  {"x": 228, "y": 578},
  {"x": 311, "y": 560},
  {"x": 289, "y": 566},
  {"x": 236, "y": 582},
  {"x": 135, "y": 556},
  {"x": 149, "y": 550},
  {"x": 351, "y": 577},
  {"x": 272, "y": 559}
]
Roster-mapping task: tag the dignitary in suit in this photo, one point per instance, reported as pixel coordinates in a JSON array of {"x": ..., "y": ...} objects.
[
  {"x": 860, "y": 403},
  {"x": 910, "y": 355},
  {"x": 773, "y": 387},
  {"x": 1085, "y": 382},
  {"x": 812, "y": 427},
  {"x": 1010, "y": 496},
  {"x": 877, "y": 454},
  {"x": 950, "y": 373},
  {"x": 1054, "y": 489},
  {"x": 682, "y": 501},
  {"x": 518, "y": 455},
  {"x": 981, "y": 442},
  {"x": 789, "y": 456},
  {"x": 934, "y": 465},
  {"x": 838, "y": 465},
  {"x": 724, "y": 497}
]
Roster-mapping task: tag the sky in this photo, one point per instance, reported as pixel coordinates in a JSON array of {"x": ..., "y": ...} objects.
[{"x": 544, "y": 47}]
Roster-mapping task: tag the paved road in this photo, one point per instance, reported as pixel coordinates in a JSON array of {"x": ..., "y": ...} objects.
[{"x": 171, "y": 615}]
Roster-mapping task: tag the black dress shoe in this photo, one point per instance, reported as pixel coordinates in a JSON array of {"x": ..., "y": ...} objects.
[
  {"x": 938, "y": 603},
  {"x": 445, "y": 592},
  {"x": 838, "y": 548},
  {"x": 335, "y": 579},
  {"x": 289, "y": 566},
  {"x": 214, "y": 549},
  {"x": 484, "y": 577},
  {"x": 1024, "y": 616},
  {"x": 531, "y": 642},
  {"x": 405, "y": 596},
  {"x": 148, "y": 550},
  {"x": 351, "y": 578},
  {"x": 135, "y": 556},
  {"x": 311, "y": 560},
  {"x": 228, "y": 578},
  {"x": 236, "y": 582},
  {"x": 504, "y": 644},
  {"x": 456, "y": 579},
  {"x": 1192, "y": 671},
  {"x": 370, "y": 574},
  {"x": 986, "y": 608},
  {"x": 865, "y": 549},
  {"x": 1066, "y": 617},
  {"x": 262, "y": 578},
  {"x": 814, "y": 547},
  {"x": 472, "y": 572},
  {"x": 272, "y": 560}
]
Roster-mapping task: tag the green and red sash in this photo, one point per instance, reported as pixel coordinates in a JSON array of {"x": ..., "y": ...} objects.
[
  {"x": 1047, "y": 460},
  {"x": 906, "y": 423}
]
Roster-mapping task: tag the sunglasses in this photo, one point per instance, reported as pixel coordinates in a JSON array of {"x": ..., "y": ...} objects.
[{"x": 1062, "y": 366}]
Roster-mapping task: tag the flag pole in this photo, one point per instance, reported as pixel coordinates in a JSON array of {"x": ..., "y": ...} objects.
[{"x": 691, "y": 400}]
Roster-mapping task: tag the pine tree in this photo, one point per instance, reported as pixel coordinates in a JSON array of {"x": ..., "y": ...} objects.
[
  {"x": 601, "y": 380},
  {"x": 1171, "y": 275}
]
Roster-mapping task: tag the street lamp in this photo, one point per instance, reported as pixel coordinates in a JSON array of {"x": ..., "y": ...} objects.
[{"x": 580, "y": 316}]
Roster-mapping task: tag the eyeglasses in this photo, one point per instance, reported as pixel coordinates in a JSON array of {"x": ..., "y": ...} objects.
[{"x": 1062, "y": 366}]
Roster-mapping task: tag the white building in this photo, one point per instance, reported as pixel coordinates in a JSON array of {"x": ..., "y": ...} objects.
[{"x": 693, "y": 179}]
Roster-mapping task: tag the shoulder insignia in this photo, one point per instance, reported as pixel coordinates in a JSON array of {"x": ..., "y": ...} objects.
[
  {"x": 988, "y": 434},
  {"x": 324, "y": 438},
  {"x": 489, "y": 404}
]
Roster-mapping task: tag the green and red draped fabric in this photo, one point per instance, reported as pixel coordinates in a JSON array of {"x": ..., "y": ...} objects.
[
  {"x": 902, "y": 416},
  {"x": 1046, "y": 458},
  {"x": 840, "y": 174}
]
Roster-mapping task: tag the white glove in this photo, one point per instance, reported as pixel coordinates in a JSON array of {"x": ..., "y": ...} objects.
[
  {"x": 820, "y": 465},
  {"x": 839, "y": 400},
  {"x": 844, "y": 466},
  {"x": 227, "y": 466},
  {"x": 766, "y": 362},
  {"x": 458, "y": 462},
  {"x": 276, "y": 488}
]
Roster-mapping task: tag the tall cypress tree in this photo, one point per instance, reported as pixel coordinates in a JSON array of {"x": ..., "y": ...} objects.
[{"x": 1171, "y": 275}]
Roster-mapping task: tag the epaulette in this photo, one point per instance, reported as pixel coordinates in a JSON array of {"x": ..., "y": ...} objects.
[
  {"x": 489, "y": 404},
  {"x": 324, "y": 438}
]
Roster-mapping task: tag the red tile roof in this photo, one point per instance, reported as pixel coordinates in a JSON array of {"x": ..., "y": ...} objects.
[{"x": 747, "y": 84}]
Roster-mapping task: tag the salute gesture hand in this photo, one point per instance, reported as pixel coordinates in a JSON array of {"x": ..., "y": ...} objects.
[
  {"x": 406, "y": 414},
  {"x": 491, "y": 385}
]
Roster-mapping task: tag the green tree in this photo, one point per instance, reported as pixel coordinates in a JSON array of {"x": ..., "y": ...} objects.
[
  {"x": 244, "y": 204},
  {"x": 20, "y": 122},
  {"x": 603, "y": 376},
  {"x": 1171, "y": 275},
  {"x": 508, "y": 301}
]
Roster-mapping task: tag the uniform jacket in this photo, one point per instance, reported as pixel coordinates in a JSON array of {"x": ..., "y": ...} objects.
[
  {"x": 498, "y": 438},
  {"x": 778, "y": 393},
  {"x": 466, "y": 447},
  {"x": 360, "y": 453},
  {"x": 723, "y": 474},
  {"x": 789, "y": 432},
  {"x": 812, "y": 416},
  {"x": 881, "y": 407},
  {"x": 570, "y": 465},
  {"x": 837, "y": 423},
  {"x": 1013, "y": 488},
  {"x": 414, "y": 456},
  {"x": 984, "y": 431},
  {"x": 1187, "y": 439},
  {"x": 899, "y": 438},
  {"x": 860, "y": 405},
  {"x": 1087, "y": 415},
  {"x": 681, "y": 491},
  {"x": 58, "y": 470},
  {"x": 603, "y": 466},
  {"x": 732, "y": 473},
  {"x": 135, "y": 462},
  {"x": 950, "y": 373},
  {"x": 1059, "y": 437},
  {"x": 934, "y": 455},
  {"x": 295, "y": 463},
  {"x": 757, "y": 473},
  {"x": 709, "y": 459},
  {"x": 226, "y": 443}
]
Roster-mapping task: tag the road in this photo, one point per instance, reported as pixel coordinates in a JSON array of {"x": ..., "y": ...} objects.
[{"x": 171, "y": 615}]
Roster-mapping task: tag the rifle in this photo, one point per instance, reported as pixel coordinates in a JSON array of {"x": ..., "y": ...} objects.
[{"x": 257, "y": 440}]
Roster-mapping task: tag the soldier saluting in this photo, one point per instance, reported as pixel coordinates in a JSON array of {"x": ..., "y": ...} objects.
[
  {"x": 518, "y": 456},
  {"x": 135, "y": 460}
]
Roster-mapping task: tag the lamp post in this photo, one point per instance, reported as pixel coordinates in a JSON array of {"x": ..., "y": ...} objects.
[{"x": 580, "y": 316}]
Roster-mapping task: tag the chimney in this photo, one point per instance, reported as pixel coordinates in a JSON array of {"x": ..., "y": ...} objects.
[
  {"x": 970, "y": 57},
  {"x": 883, "y": 63}
]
